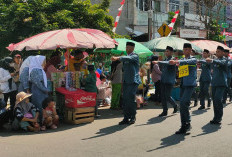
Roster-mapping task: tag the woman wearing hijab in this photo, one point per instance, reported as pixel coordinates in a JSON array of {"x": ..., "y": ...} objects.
[
  {"x": 26, "y": 114},
  {"x": 24, "y": 75},
  {"x": 51, "y": 66},
  {"x": 38, "y": 80},
  {"x": 7, "y": 84}
]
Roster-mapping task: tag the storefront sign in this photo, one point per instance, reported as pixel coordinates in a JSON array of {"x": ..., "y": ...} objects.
[{"x": 192, "y": 33}]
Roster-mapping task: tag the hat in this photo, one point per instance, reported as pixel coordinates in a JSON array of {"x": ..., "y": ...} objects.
[
  {"x": 21, "y": 96},
  {"x": 169, "y": 48},
  {"x": 226, "y": 51},
  {"x": 220, "y": 48},
  {"x": 91, "y": 67},
  {"x": 18, "y": 55},
  {"x": 187, "y": 45},
  {"x": 130, "y": 44},
  {"x": 205, "y": 50}
]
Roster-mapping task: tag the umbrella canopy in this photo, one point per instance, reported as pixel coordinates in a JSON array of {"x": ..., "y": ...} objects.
[
  {"x": 65, "y": 38},
  {"x": 160, "y": 44},
  {"x": 140, "y": 49},
  {"x": 209, "y": 44}
]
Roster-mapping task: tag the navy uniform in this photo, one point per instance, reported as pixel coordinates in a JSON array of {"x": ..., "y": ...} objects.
[
  {"x": 168, "y": 78},
  {"x": 219, "y": 84},
  {"x": 227, "y": 90},
  {"x": 188, "y": 84},
  {"x": 205, "y": 80},
  {"x": 131, "y": 80}
]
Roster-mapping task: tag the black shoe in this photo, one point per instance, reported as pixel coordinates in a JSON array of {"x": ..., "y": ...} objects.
[
  {"x": 201, "y": 108},
  {"x": 132, "y": 121},
  {"x": 184, "y": 129},
  {"x": 215, "y": 122},
  {"x": 175, "y": 110},
  {"x": 123, "y": 122},
  {"x": 195, "y": 103},
  {"x": 164, "y": 113}
]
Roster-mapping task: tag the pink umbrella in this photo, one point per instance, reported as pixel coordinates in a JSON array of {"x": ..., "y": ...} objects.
[
  {"x": 209, "y": 44},
  {"x": 65, "y": 38}
]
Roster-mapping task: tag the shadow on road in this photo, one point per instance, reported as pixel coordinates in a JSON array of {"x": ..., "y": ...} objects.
[
  {"x": 198, "y": 112},
  {"x": 169, "y": 141},
  {"x": 156, "y": 120},
  {"x": 7, "y": 132},
  {"x": 108, "y": 131},
  {"x": 208, "y": 129}
]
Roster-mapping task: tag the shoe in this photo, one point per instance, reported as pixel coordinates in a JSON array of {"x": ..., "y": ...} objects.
[
  {"x": 209, "y": 103},
  {"x": 43, "y": 128},
  {"x": 184, "y": 129},
  {"x": 215, "y": 122},
  {"x": 175, "y": 110},
  {"x": 123, "y": 122},
  {"x": 132, "y": 121},
  {"x": 201, "y": 108},
  {"x": 164, "y": 113},
  {"x": 195, "y": 103},
  {"x": 53, "y": 126}
]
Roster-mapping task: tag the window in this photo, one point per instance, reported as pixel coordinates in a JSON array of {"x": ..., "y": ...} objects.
[
  {"x": 186, "y": 7},
  {"x": 174, "y": 5},
  {"x": 142, "y": 5},
  {"x": 156, "y": 6}
]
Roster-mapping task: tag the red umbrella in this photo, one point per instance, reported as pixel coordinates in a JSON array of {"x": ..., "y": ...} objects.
[
  {"x": 209, "y": 44},
  {"x": 65, "y": 38}
]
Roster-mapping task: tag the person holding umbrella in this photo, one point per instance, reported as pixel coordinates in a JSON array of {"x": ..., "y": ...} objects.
[{"x": 131, "y": 80}]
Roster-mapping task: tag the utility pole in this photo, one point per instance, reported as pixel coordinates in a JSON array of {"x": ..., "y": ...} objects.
[{"x": 150, "y": 16}]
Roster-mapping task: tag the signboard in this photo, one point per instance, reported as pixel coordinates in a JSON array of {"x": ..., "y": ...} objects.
[
  {"x": 183, "y": 71},
  {"x": 164, "y": 30},
  {"x": 192, "y": 33},
  {"x": 225, "y": 25}
]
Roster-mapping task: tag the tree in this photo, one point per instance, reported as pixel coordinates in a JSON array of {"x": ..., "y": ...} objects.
[
  {"x": 23, "y": 18},
  {"x": 210, "y": 14}
]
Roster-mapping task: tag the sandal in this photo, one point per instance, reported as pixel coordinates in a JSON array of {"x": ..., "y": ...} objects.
[
  {"x": 43, "y": 128},
  {"x": 53, "y": 126}
]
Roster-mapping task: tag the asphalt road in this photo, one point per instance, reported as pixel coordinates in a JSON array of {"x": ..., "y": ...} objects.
[{"x": 149, "y": 136}]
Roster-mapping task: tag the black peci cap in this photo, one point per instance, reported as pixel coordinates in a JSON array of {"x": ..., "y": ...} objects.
[
  {"x": 187, "y": 45},
  {"x": 91, "y": 67},
  {"x": 205, "y": 50},
  {"x": 226, "y": 51},
  {"x": 130, "y": 44},
  {"x": 169, "y": 48},
  {"x": 220, "y": 48}
]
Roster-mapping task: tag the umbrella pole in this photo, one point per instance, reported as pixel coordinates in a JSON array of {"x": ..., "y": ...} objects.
[{"x": 68, "y": 58}]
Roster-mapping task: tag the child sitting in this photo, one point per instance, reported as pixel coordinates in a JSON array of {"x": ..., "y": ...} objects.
[
  {"x": 104, "y": 91},
  {"x": 50, "y": 117}
]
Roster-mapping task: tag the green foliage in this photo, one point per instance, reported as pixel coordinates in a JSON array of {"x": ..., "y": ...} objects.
[
  {"x": 23, "y": 18},
  {"x": 215, "y": 31}
]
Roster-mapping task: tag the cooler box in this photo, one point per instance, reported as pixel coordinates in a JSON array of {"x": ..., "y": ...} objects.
[{"x": 78, "y": 99}]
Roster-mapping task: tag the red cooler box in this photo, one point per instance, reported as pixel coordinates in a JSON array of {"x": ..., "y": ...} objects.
[{"x": 78, "y": 99}]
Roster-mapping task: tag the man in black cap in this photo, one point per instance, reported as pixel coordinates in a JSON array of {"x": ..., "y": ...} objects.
[
  {"x": 205, "y": 80},
  {"x": 131, "y": 80},
  {"x": 219, "y": 83},
  {"x": 188, "y": 84},
  {"x": 168, "y": 78},
  {"x": 227, "y": 90}
]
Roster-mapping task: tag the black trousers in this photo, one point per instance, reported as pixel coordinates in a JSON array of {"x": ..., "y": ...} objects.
[
  {"x": 158, "y": 91},
  {"x": 12, "y": 96}
]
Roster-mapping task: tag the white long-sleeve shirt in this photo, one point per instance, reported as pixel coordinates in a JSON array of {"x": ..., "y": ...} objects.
[{"x": 4, "y": 84}]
